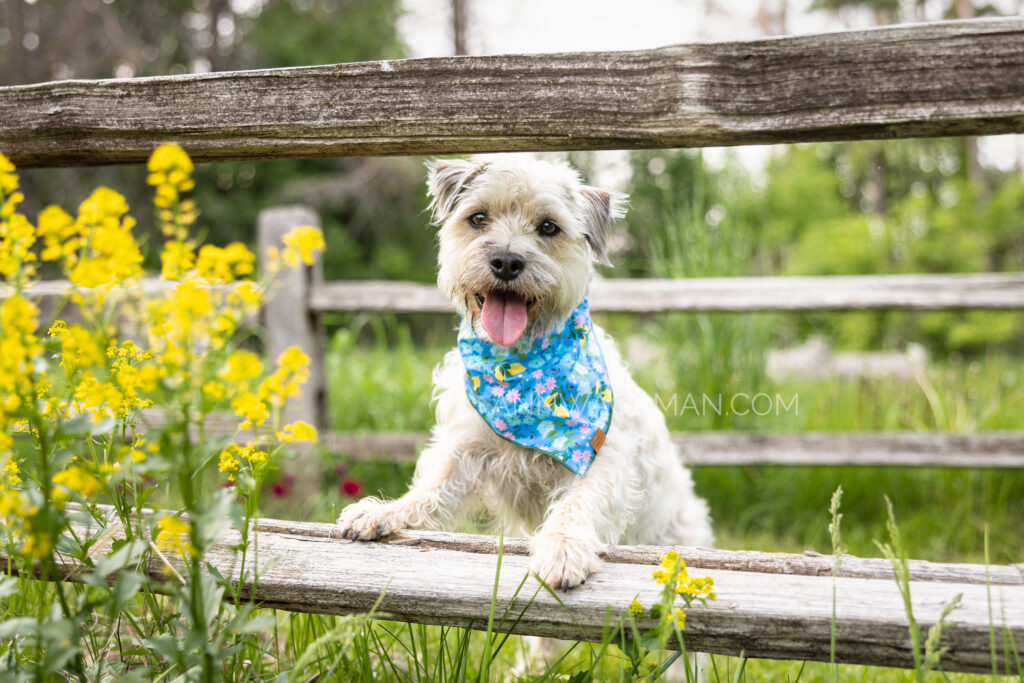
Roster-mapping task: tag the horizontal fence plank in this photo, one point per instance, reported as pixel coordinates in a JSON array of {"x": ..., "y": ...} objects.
[
  {"x": 650, "y": 295},
  {"x": 724, "y": 449},
  {"x": 655, "y": 295},
  {"x": 727, "y": 449},
  {"x": 769, "y": 605},
  {"x": 947, "y": 78}
]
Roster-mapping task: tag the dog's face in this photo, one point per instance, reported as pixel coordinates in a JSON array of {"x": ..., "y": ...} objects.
[{"x": 517, "y": 242}]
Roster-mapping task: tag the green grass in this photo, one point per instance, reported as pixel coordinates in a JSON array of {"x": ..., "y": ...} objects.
[{"x": 383, "y": 383}]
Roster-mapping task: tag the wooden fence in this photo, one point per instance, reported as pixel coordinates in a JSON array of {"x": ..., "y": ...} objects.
[
  {"x": 950, "y": 78},
  {"x": 769, "y": 605},
  {"x": 301, "y": 302}
]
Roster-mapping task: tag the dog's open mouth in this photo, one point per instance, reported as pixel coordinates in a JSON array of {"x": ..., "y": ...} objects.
[{"x": 503, "y": 315}]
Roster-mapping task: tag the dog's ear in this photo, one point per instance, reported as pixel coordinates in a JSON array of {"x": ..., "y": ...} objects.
[
  {"x": 600, "y": 210},
  {"x": 446, "y": 180}
]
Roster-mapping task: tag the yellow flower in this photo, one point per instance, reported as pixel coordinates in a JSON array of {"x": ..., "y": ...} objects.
[
  {"x": 249, "y": 406},
  {"x": 172, "y": 534},
  {"x": 241, "y": 366},
  {"x": 680, "y": 619},
  {"x": 298, "y": 431},
  {"x": 10, "y": 474},
  {"x": 228, "y": 461},
  {"x": 635, "y": 607},
  {"x": 109, "y": 254},
  {"x": 176, "y": 259},
  {"x": 669, "y": 559},
  {"x": 38, "y": 544},
  {"x": 302, "y": 244},
  {"x": 74, "y": 479},
  {"x": 246, "y": 294},
  {"x": 58, "y": 232},
  {"x": 223, "y": 265},
  {"x": 79, "y": 348},
  {"x": 19, "y": 351},
  {"x": 17, "y": 236},
  {"x": 214, "y": 390},
  {"x": 170, "y": 170},
  {"x": 167, "y": 159},
  {"x": 8, "y": 178},
  {"x": 293, "y": 359}
]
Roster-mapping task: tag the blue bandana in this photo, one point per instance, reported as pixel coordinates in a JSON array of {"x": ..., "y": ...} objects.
[{"x": 550, "y": 394}]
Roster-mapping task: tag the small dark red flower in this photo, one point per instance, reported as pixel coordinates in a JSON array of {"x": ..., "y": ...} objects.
[
  {"x": 280, "y": 489},
  {"x": 351, "y": 487}
]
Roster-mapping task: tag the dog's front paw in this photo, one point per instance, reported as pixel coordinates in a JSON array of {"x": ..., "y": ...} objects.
[
  {"x": 562, "y": 560},
  {"x": 368, "y": 520}
]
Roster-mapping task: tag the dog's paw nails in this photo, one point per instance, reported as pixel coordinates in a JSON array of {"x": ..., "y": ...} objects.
[
  {"x": 563, "y": 561},
  {"x": 368, "y": 520}
]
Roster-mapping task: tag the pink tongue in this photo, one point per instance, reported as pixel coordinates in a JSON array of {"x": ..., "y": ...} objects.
[{"x": 504, "y": 317}]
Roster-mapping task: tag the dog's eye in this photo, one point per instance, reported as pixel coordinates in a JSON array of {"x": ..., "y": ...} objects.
[
  {"x": 548, "y": 228},
  {"x": 478, "y": 219}
]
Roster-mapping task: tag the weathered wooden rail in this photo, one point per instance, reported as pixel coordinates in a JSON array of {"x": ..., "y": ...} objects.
[
  {"x": 771, "y": 605},
  {"x": 734, "y": 294},
  {"x": 950, "y": 78},
  {"x": 654, "y": 295}
]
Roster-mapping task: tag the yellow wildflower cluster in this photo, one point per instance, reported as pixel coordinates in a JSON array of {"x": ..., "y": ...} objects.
[
  {"x": 10, "y": 497},
  {"x": 283, "y": 383},
  {"x": 109, "y": 254},
  {"x": 172, "y": 534},
  {"x": 291, "y": 372},
  {"x": 241, "y": 366},
  {"x": 673, "y": 569},
  {"x": 673, "y": 574},
  {"x": 170, "y": 171},
  {"x": 176, "y": 259},
  {"x": 17, "y": 515},
  {"x": 131, "y": 380},
  {"x": 225, "y": 264},
  {"x": 300, "y": 246},
  {"x": 16, "y": 233},
  {"x": 78, "y": 347},
  {"x": 74, "y": 480},
  {"x": 298, "y": 431},
  {"x": 234, "y": 457},
  {"x": 184, "y": 332},
  {"x": 19, "y": 349}
]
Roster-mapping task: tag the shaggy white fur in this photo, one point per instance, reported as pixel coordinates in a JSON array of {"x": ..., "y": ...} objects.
[{"x": 637, "y": 490}]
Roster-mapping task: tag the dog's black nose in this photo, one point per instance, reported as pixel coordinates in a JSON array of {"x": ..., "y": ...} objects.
[{"x": 507, "y": 266}]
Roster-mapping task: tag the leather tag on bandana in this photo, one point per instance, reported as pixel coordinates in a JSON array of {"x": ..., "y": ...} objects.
[{"x": 598, "y": 439}]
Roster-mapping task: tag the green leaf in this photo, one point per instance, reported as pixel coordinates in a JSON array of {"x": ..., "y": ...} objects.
[
  {"x": 18, "y": 626},
  {"x": 8, "y": 586}
]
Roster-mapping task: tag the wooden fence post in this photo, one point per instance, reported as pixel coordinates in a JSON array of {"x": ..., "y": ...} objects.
[{"x": 287, "y": 318}]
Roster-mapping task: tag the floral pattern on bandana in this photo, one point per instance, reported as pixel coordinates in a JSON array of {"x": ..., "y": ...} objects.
[{"x": 550, "y": 394}]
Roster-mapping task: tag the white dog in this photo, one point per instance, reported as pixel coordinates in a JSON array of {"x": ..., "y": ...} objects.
[{"x": 537, "y": 416}]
